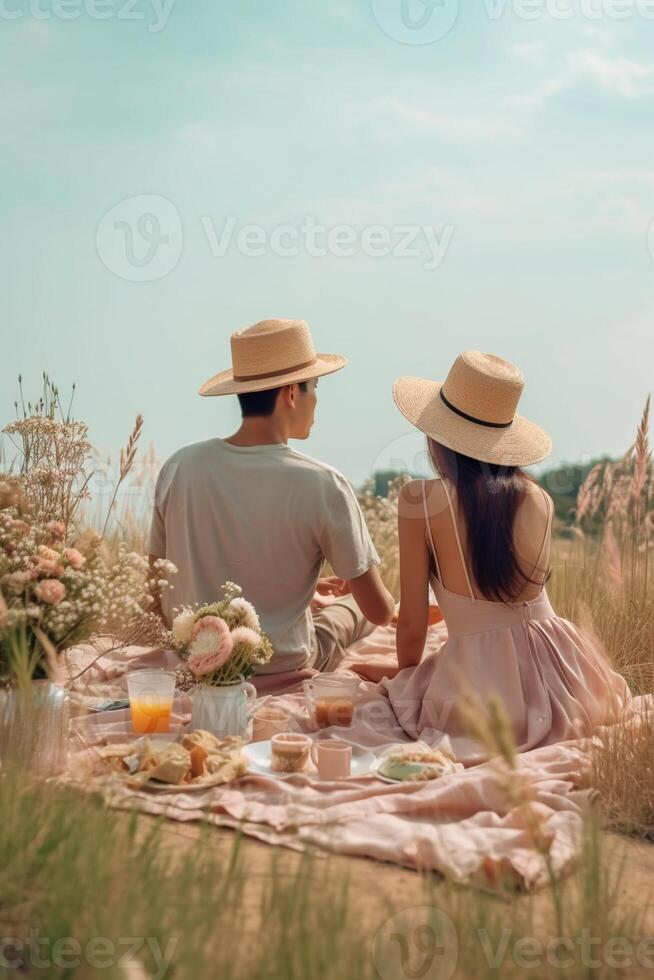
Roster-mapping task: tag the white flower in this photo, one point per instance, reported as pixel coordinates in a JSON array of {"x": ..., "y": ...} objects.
[
  {"x": 247, "y": 611},
  {"x": 183, "y": 625},
  {"x": 243, "y": 634}
]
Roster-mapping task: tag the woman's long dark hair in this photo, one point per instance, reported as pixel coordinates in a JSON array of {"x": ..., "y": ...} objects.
[{"x": 489, "y": 495}]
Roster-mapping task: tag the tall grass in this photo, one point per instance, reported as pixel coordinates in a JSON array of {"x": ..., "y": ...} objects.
[
  {"x": 73, "y": 868},
  {"x": 182, "y": 907}
]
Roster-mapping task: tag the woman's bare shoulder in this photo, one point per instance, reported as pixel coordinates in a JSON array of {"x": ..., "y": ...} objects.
[
  {"x": 538, "y": 495},
  {"x": 414, "y": 492},
  {"x": 411, "y": 493},
  {"x": 535, "y": 506}
]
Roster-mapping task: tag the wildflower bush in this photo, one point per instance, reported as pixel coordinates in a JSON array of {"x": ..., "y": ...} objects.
[
  {"x": 59, "y": 595},
  {"x": 53, "y": 456},
  {"x": 61, "y": 584}
]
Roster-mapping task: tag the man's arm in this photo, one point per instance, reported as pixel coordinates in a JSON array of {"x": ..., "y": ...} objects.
[
  {"x": 346, "y": 544},
  {"x": 372, "y": 597},
  {"x": 332, "y": 585}
]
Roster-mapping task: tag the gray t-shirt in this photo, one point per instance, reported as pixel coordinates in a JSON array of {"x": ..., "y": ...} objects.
[{"x": 264, "y": 517}]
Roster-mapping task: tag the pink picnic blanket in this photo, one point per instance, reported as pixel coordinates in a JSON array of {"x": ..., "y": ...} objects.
[{"x": 461, "y": 825}]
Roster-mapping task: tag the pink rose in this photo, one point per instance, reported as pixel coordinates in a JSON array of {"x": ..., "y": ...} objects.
[
  {"x": 211, "y": 645},
  {"x": 214, "y": 623},
  {"x": 56, "y": 529},
  {"x": 50, "y": 590},
  {"x": 74, "y": 557},
  {"x": 46, "y": 566},
  {"x": 201, "y": 665},
  {"x": 48, "y": 553}
]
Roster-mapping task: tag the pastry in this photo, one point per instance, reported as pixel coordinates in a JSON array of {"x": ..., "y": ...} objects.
[
  {"x": 198, "y": 759},
  {"x": 411, "y": 763}
]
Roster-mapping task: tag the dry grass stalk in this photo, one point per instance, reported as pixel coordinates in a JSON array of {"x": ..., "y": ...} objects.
[
  {"x": 614, "y": 560},
  {"x": 622, "y": 770},
  {"x": 642, "y": 459},
  {"x": 127, "y": 457},
  {"x": 51, "y": 655},
  {"x": 490, "y": 726},
  {"x": 128, "y": 454},
  {"x": 147, "y": 630},
  {"x": 585, "y": 499},
  {"x": 621, "y": 492}
]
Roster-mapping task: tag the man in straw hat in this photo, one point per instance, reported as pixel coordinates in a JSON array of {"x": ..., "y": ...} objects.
[{"x": 251, "y": 510}]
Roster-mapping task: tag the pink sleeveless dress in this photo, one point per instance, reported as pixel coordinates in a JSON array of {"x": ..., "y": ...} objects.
[{"x": 553, "y": 679}]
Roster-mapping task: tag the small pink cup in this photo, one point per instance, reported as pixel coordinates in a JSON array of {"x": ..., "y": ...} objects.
[
  {"x": 267, "y": 722},
  {"x": 332, "y": 758}
]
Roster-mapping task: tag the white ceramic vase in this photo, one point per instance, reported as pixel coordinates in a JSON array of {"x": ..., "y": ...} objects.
[{"x": 223, "y": 710}]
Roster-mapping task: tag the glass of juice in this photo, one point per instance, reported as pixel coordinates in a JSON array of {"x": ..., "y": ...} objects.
[
  {"x": 331, "y": 698},
  {"x": 151, "y": 694}
]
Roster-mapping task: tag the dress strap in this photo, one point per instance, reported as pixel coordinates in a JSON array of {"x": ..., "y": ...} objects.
[
  {"x": 458, "y": 541},
  {"x": 548, "y": 526},
  {"x": 429, "y": 534}
]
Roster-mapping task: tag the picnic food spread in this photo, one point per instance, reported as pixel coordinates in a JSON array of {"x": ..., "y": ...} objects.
[
  {"x": 413, "y": 763},
  {"x": 199, "y": 758}
]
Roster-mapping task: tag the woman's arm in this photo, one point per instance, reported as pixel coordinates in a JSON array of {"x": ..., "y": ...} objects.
[{"x": 414, "y": 577}]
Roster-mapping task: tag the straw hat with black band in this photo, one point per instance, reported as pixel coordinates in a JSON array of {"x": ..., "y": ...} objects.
[
  {"x": 474, "y": 411},
  {"x": 270, "y": 354}
]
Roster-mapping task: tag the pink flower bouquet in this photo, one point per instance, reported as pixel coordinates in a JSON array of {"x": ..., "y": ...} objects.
[{"x": 223, "y": 642}]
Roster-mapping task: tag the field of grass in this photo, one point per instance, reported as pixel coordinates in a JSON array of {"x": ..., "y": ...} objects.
[{"x": 85, "y": 890}]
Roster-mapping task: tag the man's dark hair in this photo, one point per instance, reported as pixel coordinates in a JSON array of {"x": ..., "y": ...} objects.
[{"x": 262, "y": 402}]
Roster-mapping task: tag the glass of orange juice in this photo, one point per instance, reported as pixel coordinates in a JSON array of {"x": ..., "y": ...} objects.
[{"x": 151, "y": 695}]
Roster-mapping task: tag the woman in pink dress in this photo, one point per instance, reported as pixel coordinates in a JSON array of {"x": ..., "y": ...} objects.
[{"x": 480, "y": 536}]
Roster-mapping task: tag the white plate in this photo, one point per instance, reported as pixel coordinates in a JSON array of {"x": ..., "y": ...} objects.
[
  {"x": 374, "y": 770},
  {"x": 258, "y": 756}
]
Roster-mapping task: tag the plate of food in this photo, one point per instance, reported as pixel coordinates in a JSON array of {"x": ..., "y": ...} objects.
[
  {"x": 260, "y": 759},
  {"x": 197, "y": 761},
  {"x": 413, "y": 763}
]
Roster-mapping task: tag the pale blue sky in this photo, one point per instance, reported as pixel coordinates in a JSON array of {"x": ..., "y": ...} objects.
[{"x": 527, "y": 143}]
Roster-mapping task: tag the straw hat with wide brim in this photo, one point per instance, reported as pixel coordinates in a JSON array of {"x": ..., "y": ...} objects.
[
  {"x": 270, "y": 354},
  {"x": 474, "y": 411}
]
